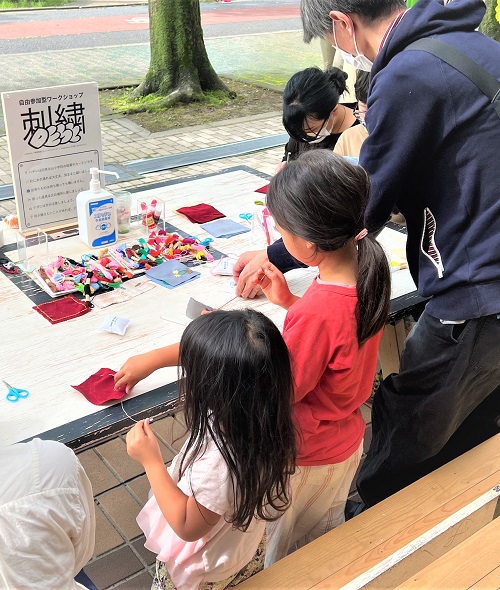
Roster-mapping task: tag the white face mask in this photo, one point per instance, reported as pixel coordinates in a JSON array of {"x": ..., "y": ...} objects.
[
  {"x": 359, "y": 61},
  {"x": 323, "y": 134}
]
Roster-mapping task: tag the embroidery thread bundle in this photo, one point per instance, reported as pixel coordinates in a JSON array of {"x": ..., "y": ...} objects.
[{"x": 117, "y": 263}]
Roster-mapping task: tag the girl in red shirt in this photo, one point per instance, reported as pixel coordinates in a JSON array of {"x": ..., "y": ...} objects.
[{"x": 332, "y": 332}]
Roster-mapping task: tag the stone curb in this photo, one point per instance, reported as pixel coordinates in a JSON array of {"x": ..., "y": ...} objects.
[
  {"x": 180, "y": 130},
  {"x": 89, "y": 4},
  {"x": 97, "y": 4}
]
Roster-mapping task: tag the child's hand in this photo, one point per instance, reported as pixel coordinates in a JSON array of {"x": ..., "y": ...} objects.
[
  {"x": 134, "y": 370},
  {"x": 274, "y": 285},
  {"x": 142, "y": 444}
]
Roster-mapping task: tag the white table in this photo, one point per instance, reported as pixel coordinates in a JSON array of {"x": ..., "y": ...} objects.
[{"x": 47, "y": 359}]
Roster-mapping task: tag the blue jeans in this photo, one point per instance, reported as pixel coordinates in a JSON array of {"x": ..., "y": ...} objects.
[{"x": 444, "y": 401}]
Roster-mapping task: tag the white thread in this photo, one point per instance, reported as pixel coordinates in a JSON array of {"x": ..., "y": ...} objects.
[
  {"x": 133, "y": 419},
  {"x": 127, "y": 414}
]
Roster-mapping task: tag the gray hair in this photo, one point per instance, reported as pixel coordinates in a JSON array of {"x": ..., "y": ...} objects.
[{"x": 316, "y": 20}]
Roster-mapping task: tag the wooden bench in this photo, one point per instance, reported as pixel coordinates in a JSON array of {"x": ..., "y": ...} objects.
[
  {"x": 389, "y": 544},
  {"x": 474, "y": 563}
]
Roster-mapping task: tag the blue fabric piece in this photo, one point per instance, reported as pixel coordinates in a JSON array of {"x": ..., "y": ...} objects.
[
  {"x": 171, "y": 273},
  {"x": 224, "y": 228}
]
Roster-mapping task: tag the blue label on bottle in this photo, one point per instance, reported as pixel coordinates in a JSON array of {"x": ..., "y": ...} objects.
[
  {"x": 104, "y": 240},
  {"x": 101, "y": 222},
  {"x": 93, "y": 205}
]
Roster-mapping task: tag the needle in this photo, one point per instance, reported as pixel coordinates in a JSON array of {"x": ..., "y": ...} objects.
[
  {"x": 227, "y": 303},
  {"x": 236, "y": 297}
]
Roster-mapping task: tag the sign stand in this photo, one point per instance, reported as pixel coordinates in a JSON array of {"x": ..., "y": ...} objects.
[{"x": 54, "y": 138}]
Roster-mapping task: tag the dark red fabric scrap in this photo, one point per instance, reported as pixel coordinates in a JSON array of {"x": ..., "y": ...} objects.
[
  {"x": 263, "y": 189},
  {"x": 99, "y": 388},
  {"x": 60, "y": 310},
  {"x": 200, "y": 213}
]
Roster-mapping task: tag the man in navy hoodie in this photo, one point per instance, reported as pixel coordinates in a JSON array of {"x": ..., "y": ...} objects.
[{"x": 433, "y": 152}]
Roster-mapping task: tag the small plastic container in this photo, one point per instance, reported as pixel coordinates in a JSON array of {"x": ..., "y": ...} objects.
[
  {"x": 263, "y": 222},
  {"x": 123, "y": 205},
  {"x": 151, "y": 214},
  {"x": 32, "y": 251}
]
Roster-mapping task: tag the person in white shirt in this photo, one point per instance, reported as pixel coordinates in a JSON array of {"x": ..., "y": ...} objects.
[{"x": 47, "y": 519}]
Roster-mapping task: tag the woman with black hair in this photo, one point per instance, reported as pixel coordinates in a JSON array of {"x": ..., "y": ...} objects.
[{"x": 312, "y": 114}]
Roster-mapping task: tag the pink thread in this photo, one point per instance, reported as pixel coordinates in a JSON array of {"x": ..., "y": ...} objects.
[{"x": 361, "y": 235}]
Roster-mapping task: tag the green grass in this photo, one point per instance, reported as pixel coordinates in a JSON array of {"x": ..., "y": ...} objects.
[
  {"x": 31, "y": 3},
  {"x": 122, "y": 103},
  {"x": 249, "y": 99}
]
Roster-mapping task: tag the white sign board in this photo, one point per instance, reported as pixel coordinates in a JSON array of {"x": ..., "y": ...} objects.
[{"x": 54, "y": 138}]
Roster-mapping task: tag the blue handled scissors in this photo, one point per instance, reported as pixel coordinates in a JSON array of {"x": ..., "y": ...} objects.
[
  {"x": 246, "y": 217},
  {"x": 15, "y": 394}
]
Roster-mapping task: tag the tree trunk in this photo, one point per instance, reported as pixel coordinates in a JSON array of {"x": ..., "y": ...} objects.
[{"x": 179, "y": 69}]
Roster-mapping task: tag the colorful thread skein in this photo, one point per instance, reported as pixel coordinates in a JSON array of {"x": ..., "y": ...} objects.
[
  {"x": 117, "y": 263},
  {"x": 63, "y": 274},
  {"x": 165, "y": 246}
]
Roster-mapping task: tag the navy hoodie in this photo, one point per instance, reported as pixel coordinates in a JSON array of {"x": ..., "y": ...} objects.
[{"x": 433, "y": 151}]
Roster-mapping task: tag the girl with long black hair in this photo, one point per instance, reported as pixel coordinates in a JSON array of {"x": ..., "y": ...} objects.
[
  {"x": 332, "y": 333},
  {"x": 207, "y": 513}
]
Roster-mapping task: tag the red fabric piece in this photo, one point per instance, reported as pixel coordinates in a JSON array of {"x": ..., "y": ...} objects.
[
  {"x": 200, "y": 213},
  {"x": 63, "y": 309},
  {"x": 333, "y": 375},
  {"x": 263, "y": 189},
  {"x": 99, "y": 388}
]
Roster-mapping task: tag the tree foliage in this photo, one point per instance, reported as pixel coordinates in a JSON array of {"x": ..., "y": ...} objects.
[{"x": 491, "y": 22}]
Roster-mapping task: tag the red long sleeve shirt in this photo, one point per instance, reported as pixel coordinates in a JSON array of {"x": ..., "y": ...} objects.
[{"x": 333, "y": 375}]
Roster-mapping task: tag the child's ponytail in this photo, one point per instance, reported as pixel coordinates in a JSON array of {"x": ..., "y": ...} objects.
[{"x": 373, "y": 288}]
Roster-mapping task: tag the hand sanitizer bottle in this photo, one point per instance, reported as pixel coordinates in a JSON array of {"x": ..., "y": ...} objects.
[{"x": 96, "y": 213}]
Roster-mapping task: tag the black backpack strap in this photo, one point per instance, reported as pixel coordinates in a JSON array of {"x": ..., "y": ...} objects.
[{"x": 487, "y": 83}]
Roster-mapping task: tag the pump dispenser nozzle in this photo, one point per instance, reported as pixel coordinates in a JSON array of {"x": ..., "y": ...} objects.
[{"x": 95, "y": 183}]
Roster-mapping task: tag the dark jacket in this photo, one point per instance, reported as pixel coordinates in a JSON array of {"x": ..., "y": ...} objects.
[{"x": 433, "y": 151}]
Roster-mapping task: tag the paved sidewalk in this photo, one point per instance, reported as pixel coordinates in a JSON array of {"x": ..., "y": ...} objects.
[{"x": 267, "y": 58}]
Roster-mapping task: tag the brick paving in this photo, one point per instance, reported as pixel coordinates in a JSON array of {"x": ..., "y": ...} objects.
[
  {"x": 270, "y": 57},
  {"x": 121, "y": 489}
]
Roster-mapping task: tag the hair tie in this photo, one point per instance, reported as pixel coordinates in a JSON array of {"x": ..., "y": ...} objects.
[{"x": 361, "y": 235}]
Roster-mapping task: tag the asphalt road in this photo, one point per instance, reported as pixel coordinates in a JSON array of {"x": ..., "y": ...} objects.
[{"x": 45, "y": 30}]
